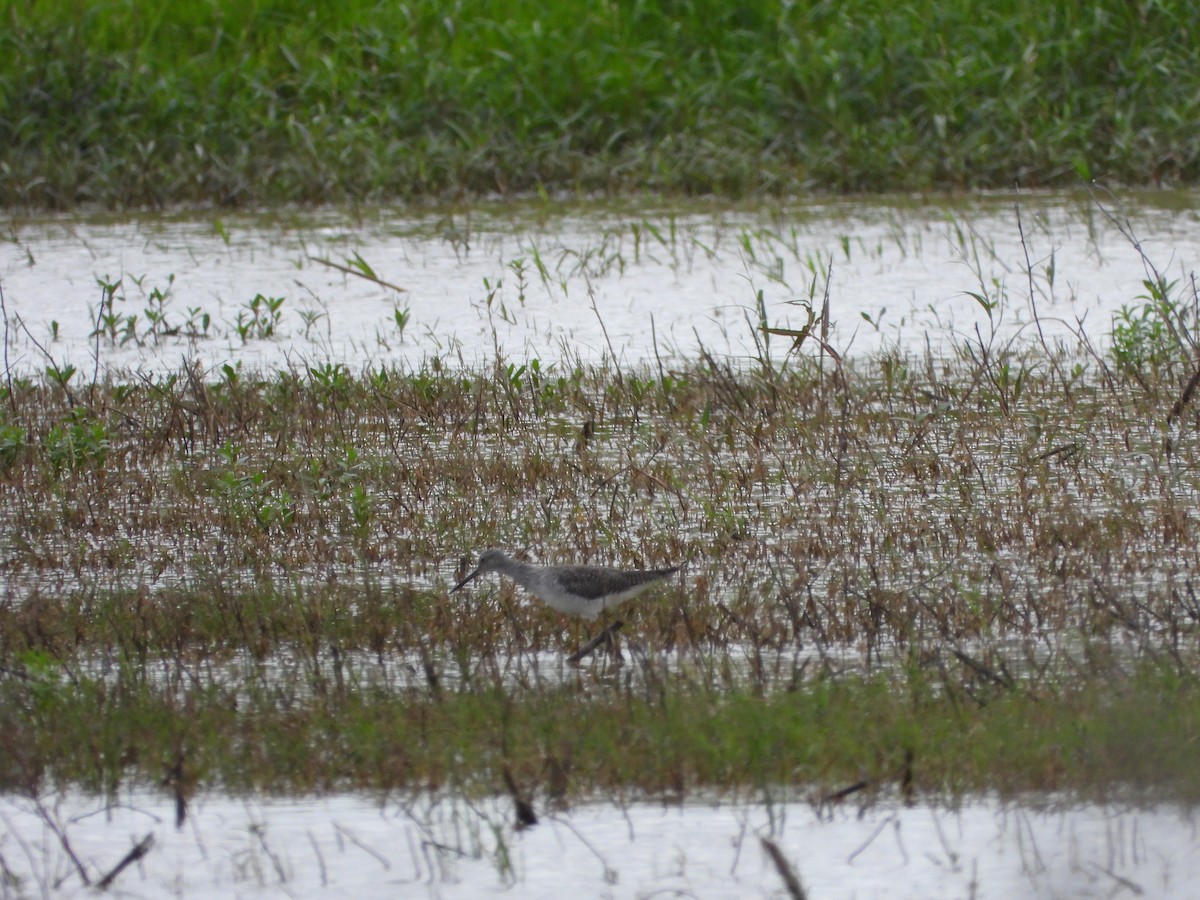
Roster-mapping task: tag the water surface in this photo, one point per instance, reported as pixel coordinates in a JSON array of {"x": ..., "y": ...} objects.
[
  {"x": 352, "y": 845},
  {"x": 581, "y": 281}
]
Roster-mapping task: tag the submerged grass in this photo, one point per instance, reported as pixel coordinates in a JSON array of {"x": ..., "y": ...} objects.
[
  {"x": 943, "y": 574},
  {"x": 246, "y": 104},
  {"x": 1122, "y": 739}
]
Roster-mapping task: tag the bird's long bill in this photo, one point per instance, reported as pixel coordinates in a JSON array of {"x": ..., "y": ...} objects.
[{"x": 470, "y": 577}]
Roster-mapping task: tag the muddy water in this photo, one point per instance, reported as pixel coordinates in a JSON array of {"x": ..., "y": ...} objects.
[{"x": 557, "y": 281}]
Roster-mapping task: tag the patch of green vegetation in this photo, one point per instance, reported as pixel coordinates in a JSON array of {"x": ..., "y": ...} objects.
[
  {"x": 245, "y": 104},
  {"x": 1160, "y": 332},
  {"x": 12, "y": 441},
  {"x": 1099, "y": 738}
]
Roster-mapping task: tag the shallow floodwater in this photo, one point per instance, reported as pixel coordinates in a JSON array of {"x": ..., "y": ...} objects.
[
  {"x": 560, "y": 283},
  {"x": 350, "y": 845},
  {"x": 553, "y": 281}
]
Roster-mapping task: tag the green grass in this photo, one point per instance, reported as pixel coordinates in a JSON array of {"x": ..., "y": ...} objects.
[
  {"x": 1131, "y": 738},
  {"x": 124, "y": 104}
]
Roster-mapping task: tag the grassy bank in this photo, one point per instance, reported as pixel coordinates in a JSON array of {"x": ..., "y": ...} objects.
[{"x": 247, "y": 104}]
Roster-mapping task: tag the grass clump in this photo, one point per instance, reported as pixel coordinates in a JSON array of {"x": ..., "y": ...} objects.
[{"x": 247, "y": 105}]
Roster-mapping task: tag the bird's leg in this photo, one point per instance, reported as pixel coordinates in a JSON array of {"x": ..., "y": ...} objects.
[
  {"x": 605, "y": 636},
  {"x": 614, "y": 643}
]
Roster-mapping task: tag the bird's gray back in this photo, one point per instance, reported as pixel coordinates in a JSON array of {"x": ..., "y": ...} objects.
[{"x": 592, "y": 583}]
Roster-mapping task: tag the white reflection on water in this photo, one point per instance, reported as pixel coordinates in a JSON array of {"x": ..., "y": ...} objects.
[
  {"x": 352, "y": 845},
  {"x": 581, "y": 281}
]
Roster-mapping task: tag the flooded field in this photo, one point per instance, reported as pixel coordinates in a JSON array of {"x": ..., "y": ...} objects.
[
  {"x": 562, "y": 283},
  {"x": 940, "y": 547}
]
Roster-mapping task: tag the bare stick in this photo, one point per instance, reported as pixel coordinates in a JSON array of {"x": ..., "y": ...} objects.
[
  {"x": 59, "y": 833},
  {"x": 790, "y": 880},
  {"x": 1029, "y": 275},
  {"x": 839, "y": 795},
  {"x": 604, "y": 329},
  {"x": 104, "y": 292},
  {"x": 46, "y": 353},
  {"x": 1184, "y": 397},
  {"x": 352, "y": 838},
  {"x": 610, "y": 874},
  {"x": 140, "y": 849},
  {"x": 878, "y": 831},
  {"x": 526, "y": 817},
  {"x": 7, "y": 368},
  {"x": 906, "y": 777},
  {"x": 358, "y": 272},
  {"x": 825, "y": 315}
]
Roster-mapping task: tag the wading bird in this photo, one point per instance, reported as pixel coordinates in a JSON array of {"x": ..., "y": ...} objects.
[{"x": 582, "y": 591}]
